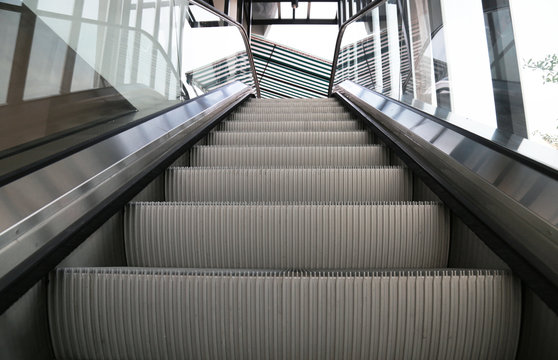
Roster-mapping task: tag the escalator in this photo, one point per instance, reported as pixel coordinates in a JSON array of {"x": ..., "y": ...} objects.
[
  {"x": 178, "y": 217},
  {"x": 295, "y": 239}
]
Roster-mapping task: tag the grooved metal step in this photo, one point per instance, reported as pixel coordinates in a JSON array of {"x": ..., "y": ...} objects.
[
  {"x": 290, "y": 117},
  {"x": 137, "y": 313},
  {"x": 290, "y": 138},
  {"x": 293, "y": 236},
  {"x": 291, "y": 102},
  {"x": 287, "y": 156},
  {"x": 329, "y": 185},
  {"x": 313, "y": 109},
  {"x": 251, "y": 126}
]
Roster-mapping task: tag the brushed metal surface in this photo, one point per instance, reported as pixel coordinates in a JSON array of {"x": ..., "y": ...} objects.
[
  {"x": 539, "y": 329},
  {"x": 37, "y": 207},
  {"x": 24, "y": 327},
  {"x": 468, "y": 251}
]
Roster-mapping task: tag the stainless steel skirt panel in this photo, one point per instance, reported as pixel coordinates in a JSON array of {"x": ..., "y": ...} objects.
[
  {"x": 135, "y": 313},
  {"x": 325, "y": 185},
  {"x": 263, "y": 236},
  {"x": 287, "y": 156},
  {"x": 290, "y": 138}
]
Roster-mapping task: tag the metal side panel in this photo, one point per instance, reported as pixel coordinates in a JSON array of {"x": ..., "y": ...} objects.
[
  {"x": 539, "y": 329},
  {"x": 287, "y": 156},
  {"x": 179, "y": 314},
  {"x": 329, "y": 185},
  {"x": 24, "y": 333},
  {"x": 38, "y": 211},
  {"x": 105, "y": 247},
  {"x": 290, "y": 138},
  {"x": 290, "y": 126},
  {"x": 468, "y": 251},
  {"x": 290, "y": 117},
  {"x": 395, "y": 235},
  {"x": 155, "y": 190},
  {"x": 421, "y": 192}
]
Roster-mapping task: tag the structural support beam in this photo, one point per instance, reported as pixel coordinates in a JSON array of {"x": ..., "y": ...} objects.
[
  {"x": 289, "y": 1},
  {"x": 295, "y": 22}
]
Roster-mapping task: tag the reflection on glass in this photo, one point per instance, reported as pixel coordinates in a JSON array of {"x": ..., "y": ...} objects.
[
  {"x": 71, "y": 64},
  {"x": 208, "y": 67},
  {"x": 9, "y": 23},
  {"x": 121, "y": 43},
  {"x": 46, "y": 64},
  {"x": 476, "y": 58}
]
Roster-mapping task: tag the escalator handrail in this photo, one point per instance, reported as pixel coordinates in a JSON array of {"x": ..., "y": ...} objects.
[
  {"x": 372, "y": 5},
  {"x": 243, "y": 32}
]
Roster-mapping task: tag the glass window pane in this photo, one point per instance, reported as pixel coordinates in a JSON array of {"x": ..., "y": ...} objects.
[
  {"x": 46, "y": 64},
  {"x": 65, "y": 7},
  {"x": 286, "y": 11},
  {"x": 323, "y": 10},
  {"x": 91, "y": 9},
  {"x": 302, "y": 11},
  {"x": 9, "y": 23}
]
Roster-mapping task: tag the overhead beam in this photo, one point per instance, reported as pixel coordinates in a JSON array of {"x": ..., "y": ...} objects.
[
  {"x": 289, "y": 1},
  {"x": 295, "y": 22}
]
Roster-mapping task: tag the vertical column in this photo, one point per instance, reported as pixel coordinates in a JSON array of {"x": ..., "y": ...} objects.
[
  {"x": 536, "y": 40},
  {"x": 393, "y": 48},
  {"x": 422, "y": 60},
  {"x": 124, "y": 41},
  {"x": 377, "y": 46},
  {"x": 136, "y": 42},
  {"x": 468, "y": 61},
  {"x": 22, "y": 55}
]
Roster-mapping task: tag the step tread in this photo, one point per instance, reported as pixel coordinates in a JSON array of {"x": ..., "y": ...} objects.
[
  {"x": 290, "y": 138},
  {"x": 287, "y": 236},
  {"x": 173, "y": 313},
  {"x": 302, "y": 184},
  {"x": 251, "y": 126},
  {"x": 287, "y": 156}
]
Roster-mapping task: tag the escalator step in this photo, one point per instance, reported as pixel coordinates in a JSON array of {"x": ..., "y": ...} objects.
[
  {"x": 287, "y": 156},
  {"x": 290, "y": 138},
  {"x": 312, "y": 109},
  {"x": 263, "y": 236},
  {"x": 135, "y": 313},
  {"x": 292, "y": 102},
  {"x": 296, "y": 184},
  {"x": 289, "y": 126},
  {"x": 290, "y": 117}
]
